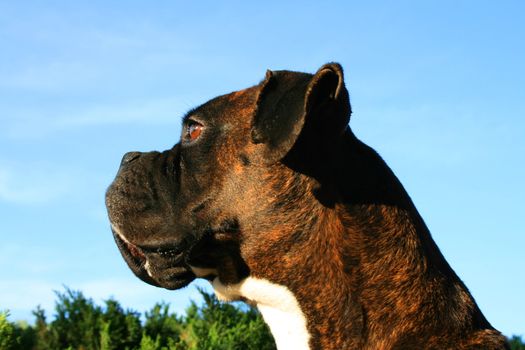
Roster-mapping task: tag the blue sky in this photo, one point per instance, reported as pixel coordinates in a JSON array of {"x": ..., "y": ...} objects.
[{"x": 437, "y": 87}]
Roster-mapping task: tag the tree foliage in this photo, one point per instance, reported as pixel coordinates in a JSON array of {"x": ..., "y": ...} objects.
[
  {"x": 79, "y": 323},
  {"x": 516, "y": 343}
]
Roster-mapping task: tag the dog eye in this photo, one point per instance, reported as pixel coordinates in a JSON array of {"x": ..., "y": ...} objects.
[{"x": 193, "y": 130}]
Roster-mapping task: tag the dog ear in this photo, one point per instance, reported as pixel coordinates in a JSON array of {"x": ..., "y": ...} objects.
[{"x": 289, "y": 100}]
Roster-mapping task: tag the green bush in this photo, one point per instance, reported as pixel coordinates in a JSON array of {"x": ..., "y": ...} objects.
[
  {"x": 80, "y": 324},
  {"x": 217, "y": 325},
  {"x": 8, "y": 338},
  {"x": 516, "y": 343},
  {"x": 15, "y": 335}
]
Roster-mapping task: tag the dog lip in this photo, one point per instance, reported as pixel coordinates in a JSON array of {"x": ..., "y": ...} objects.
[
  {"x": 135, "y": 250},
  {"x": 135, "y": 262},
  {"x": 177, "y": 280},
  {"x": 166, "y": 251},
  {"x": 141, "y": 252},
  {"x": 172, "y": 276},
  {"x": 131, "y": 250}
]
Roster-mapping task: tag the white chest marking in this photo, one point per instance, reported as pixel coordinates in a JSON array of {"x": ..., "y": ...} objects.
[{"x": 278, "y": 306}]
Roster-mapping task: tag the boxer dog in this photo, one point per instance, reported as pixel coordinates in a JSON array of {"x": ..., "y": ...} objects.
[{"x": 270, "y": 196}]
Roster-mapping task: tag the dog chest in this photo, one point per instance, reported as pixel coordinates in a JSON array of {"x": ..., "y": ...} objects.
[{"x": 278, "y": 306}]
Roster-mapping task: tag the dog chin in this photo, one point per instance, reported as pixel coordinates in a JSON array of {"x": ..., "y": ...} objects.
[
  {"x": 178, "y": 281},
  {"x": 174, "y": 277},
  {"x": 161, "y": 273}
]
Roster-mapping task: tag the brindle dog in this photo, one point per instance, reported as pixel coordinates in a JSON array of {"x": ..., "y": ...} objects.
[{"x": 271, "y": 196}]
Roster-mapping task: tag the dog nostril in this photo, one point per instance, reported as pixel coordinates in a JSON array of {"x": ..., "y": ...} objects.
[{"x": 129, "y": 157}]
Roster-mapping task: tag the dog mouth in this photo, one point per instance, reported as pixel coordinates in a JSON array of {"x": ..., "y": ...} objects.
[
  {"x": 161, "y": 266},
  {"x": 174, "y": 266}
]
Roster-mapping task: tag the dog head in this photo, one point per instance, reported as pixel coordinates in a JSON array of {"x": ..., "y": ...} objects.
[{"x": 229, "y": 187}]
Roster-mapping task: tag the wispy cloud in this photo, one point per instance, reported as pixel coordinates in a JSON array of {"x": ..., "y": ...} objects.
[
  {"x": 21, "y": 296},
  {"x": 69, "y": 52},
  {"x": 162, "y": 111},
  {"x": 51, "y": 76},
  {"x": 134, "y": 293},
  {"x": 436, "y": 134},
  {"x": 33, "y": 183},
  {"x": 33, "y": 259},
  {"x": 34, "y": 124}
]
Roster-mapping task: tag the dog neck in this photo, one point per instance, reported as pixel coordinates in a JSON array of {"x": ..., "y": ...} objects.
[
  {"x": 333, "y": 287},
  {"x": 311, "y": 310},
  {"x": 321, "y": 296},
  {"x": 278, "y": 306}
]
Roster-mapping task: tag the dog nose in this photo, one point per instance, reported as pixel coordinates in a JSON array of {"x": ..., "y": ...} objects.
[{"x": 130, "y": 157}]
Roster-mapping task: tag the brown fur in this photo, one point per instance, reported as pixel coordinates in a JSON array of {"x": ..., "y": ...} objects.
[{"x": 279, "y": 188}]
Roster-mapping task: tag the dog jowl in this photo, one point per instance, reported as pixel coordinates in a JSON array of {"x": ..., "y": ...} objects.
[{"x": 271, "y": 197}]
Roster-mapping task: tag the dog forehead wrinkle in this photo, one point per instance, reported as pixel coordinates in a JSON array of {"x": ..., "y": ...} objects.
[{"x": 278, "y": 306}]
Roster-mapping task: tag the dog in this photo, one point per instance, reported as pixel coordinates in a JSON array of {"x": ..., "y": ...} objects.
[{"x": 271, "y": 197}]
